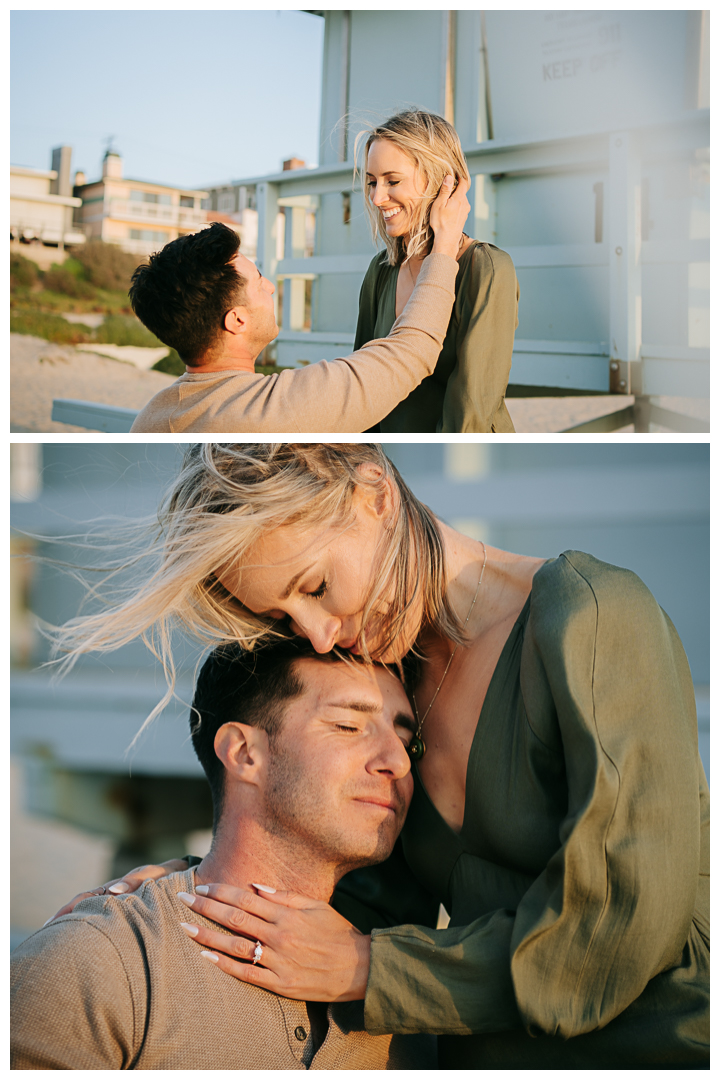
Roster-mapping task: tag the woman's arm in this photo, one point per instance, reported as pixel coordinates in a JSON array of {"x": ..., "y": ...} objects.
[
  {"x": 615, "y": 904},
  {"x": 487, "y": 304}
]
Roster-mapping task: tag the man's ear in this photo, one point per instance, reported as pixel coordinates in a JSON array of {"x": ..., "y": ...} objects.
[
  {"x": 243, "y": 750},
  {"x": 235, "y": 322}
]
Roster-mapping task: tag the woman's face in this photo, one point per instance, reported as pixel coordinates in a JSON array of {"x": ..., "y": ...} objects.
[
  {"x": 395, "y": 185},
  {"x": 318, "y": 579}
]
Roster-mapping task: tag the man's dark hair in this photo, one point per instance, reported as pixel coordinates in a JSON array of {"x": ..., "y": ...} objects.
[
  {"x": 247, "y": 688},
  {"x": 183, "y": 294}
]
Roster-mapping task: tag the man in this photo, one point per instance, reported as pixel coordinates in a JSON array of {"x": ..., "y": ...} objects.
[
  {"x": 306, "y": 758},
  {"x": 211, "y": 304}
]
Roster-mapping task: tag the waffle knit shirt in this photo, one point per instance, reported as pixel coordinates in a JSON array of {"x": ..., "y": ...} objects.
[
  {"x": 118, "y": 985},
  {"x": 349, "y": 394}
]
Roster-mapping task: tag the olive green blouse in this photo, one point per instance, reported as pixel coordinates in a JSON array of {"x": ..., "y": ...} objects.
[
  {"x": 466, "y": 391},
  {"x": 578, "y": 885}
]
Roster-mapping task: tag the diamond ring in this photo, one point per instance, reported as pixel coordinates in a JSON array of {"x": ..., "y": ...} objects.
[{"x": 257, "y": 955}]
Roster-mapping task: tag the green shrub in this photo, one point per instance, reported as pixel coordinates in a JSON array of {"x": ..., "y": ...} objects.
[
  {"x": 170, "y": 364},
  {"x": 51, "y": 327},
  {"x": 23, "y": 272},
  {"x": 60, "y": 279},
  {"x": 125, "y": 330},
  {"x": 106, "y": 266}
]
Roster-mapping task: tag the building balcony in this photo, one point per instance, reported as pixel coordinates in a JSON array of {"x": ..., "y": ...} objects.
[{"x": 154, "y": 213}]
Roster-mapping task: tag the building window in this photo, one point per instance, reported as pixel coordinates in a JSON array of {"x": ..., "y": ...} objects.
[
  {"x": 150, "y": 197},
  {"x": 188, "y": 201},
  {"x": 226, "y": 201},
  {"x": 148, "y": 234}
]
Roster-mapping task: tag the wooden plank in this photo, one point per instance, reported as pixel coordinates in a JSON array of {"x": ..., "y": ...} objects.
[
  {"x": 604, "y": 424},
  {"x": 676, "y": 378},
  {"x": 566, "y": 371},
  {"x": 676, "y": 421}
]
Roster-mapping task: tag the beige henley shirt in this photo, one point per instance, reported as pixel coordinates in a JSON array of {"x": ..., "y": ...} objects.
[
  {"x": 118, "y": 985},
  {"x": 348, "y": 394}
]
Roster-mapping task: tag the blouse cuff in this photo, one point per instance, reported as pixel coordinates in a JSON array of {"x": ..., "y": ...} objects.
[{"x": 455, "y": 981}]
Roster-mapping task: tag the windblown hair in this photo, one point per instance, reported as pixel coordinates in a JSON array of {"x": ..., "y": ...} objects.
[
  {"x": 433, "y": 145},
  {"x": 184, "y": 292},
  {"x": 225, "y": 498},
  {"x": 238, "y": 686}
]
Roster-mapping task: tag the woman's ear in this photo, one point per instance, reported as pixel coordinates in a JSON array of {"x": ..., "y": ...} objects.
[
  {"x": 243, "y": 751},
  {"x": 380, "y": 500}
]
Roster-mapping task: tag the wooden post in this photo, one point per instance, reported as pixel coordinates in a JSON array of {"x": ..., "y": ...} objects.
[{"x": 624, "y": 240}]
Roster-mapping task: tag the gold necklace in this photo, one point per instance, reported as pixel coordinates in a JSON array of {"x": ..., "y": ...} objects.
[{"x": 416, "y": 749}]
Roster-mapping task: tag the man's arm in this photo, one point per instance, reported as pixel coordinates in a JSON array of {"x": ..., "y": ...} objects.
[
  {"x": 71, "y": 1004},
  {"x": 349, "y": 394}
]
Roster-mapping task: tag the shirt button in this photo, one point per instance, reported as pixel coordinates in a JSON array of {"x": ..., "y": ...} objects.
[{"x": 300, "y": 1034}]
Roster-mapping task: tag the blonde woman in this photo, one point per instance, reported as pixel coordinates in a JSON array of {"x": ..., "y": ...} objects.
[
  {"x": 405, "y": 161},
  {"x": 560, "y": 811}
]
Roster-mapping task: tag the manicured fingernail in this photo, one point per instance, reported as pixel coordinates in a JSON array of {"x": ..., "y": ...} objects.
[
  {"x": 202, "y": 889},
  {"x": 263, "y": 888},
  {"x": 187, "y": 898},
  {"x": 210, "y": 956},
  {"x": 48, "y": 920},
  {"x": 120, "y": 887},
  {"x": 190, "y": 929}
]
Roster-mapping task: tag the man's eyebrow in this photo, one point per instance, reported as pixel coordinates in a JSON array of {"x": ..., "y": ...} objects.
[
  {"x": 357, "y": 705},
  {"x": 293, "y": 582},
  {"x": 406, "y": 720}
]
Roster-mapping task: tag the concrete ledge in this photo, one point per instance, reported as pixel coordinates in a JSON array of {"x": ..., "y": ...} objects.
[{"x": 91, "y": 415}]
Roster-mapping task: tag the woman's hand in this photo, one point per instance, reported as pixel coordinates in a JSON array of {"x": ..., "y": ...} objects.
[
  {"x": 309, "y": 951},
  {"x": 448, "y": 215},
  {"x": 131, "y": 882}
]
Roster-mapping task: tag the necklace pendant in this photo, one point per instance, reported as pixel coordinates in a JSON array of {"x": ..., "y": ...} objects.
[{"x": 416, "y": 749}]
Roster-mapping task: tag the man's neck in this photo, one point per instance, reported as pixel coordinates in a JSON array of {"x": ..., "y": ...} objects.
[
  {"x": 243, "y": 856},
  {"x": 225, "y": 362}
]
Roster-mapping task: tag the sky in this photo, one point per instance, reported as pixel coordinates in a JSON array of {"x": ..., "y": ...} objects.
[{"x": 187, "y": 97}]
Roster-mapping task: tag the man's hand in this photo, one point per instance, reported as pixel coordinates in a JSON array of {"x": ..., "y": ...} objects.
[{"x": 448, "y": 215}]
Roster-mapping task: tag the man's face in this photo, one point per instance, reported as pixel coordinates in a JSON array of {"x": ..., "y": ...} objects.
[
  {"x": 259, "y": 301},
  {"x": 338, "y": 781}
]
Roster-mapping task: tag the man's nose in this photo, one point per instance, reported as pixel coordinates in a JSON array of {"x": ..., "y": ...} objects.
[{"x": 392, "y": 757}]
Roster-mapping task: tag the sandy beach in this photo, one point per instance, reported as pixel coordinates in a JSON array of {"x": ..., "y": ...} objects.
[{"x": 41, "y": 371}]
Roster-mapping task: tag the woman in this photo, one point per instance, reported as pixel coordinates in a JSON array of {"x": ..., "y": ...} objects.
[
  {"x": 565, "y": 830},
  {"x": 405, "y": 160}
]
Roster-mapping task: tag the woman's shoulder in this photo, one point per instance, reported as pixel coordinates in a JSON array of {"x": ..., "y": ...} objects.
[
  {"x": 575, "y": 585},
  {"x": 378, "y": 263},
  {"x": 481, "y": 254}
]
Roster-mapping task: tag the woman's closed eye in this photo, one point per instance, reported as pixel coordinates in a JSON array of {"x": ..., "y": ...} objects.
[{"x": 321, "y": 590}]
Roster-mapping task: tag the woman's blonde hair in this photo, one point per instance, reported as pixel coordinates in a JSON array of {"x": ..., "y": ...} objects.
[
  {"x": 225, "y": 498},
  {"x": 434, "y": 147}
]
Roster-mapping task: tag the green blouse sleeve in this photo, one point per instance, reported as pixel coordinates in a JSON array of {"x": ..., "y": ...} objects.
[
  {"x": 367, "y": 312},
  {"x": 613, "y": 907},
  {"x": 487, "y": 305}
]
